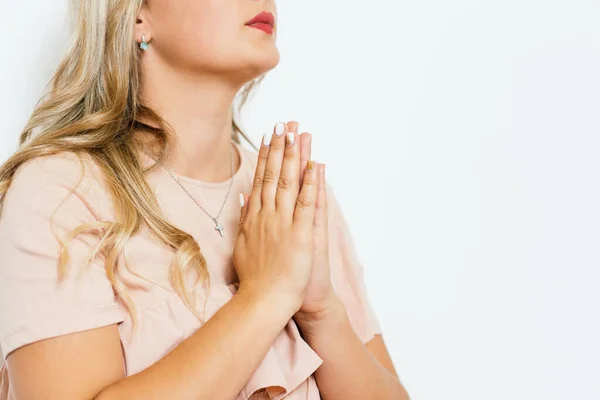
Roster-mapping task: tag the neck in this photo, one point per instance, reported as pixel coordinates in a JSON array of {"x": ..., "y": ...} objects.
[{"x": 199, "y": 110}]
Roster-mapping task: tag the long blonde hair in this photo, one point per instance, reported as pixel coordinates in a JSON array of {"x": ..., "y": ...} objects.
[{"x": 92, "y": 108}]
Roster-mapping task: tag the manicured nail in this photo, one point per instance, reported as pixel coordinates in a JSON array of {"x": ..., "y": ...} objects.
[
  {"x": 290, "y": 138},
  {"x": 267, "y": 139},
  {"x": 241, "y": 200},
  {"x": 279, "y": 128}
]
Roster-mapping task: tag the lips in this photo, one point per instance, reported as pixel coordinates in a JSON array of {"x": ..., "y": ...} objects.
[{"x": 265, "y": 18}]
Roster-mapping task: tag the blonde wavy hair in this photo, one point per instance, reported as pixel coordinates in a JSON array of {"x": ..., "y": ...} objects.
[{"x": 91, "y": 107}]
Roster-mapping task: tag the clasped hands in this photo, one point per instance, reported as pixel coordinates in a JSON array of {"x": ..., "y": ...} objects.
[{"x": 282, "y": 247}]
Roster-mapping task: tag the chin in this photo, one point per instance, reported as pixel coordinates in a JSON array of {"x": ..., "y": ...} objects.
[
  {"x": 261, "y": 63},
  {"x": 267, "y": 62}
]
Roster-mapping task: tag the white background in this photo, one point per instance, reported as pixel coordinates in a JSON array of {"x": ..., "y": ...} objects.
[{"x": 462, "y": 139}]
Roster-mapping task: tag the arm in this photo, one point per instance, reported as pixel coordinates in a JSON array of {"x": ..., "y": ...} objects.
[
  {"x": 214, "y": 362},
  {"x": 60, "y": 346},
  {"x": 349, "y": 370},
  {"x": 338, "y": 322},
  {"x": 218, "y": 359}
]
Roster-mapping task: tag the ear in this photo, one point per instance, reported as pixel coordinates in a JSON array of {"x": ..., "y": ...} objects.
[{"x": 142, "y": 25}]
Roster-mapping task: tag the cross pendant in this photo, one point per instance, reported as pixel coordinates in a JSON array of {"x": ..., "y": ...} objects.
[{"x": 219, "y": 228}]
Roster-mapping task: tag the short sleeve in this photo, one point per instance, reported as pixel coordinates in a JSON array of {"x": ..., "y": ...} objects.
[
  {"x": 47, "y": 197},
  {"x": 347, "y": 272}
]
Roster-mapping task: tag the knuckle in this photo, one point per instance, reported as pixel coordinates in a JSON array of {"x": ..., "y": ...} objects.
[
  {"x": 270, "y": 176},
  {"x": 277, "y": 144},
  {"x": 244, "y": 226},
  {"x": 284, "y": 183},
  {"x": 304, "y": 202},
  {"x": 258, "y": 181},
  {"x": 289, "y": 155},
  {"x": 308, "y": 184}
]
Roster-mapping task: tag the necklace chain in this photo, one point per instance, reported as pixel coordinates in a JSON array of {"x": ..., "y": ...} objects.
[{"x": 218, "y": 227}]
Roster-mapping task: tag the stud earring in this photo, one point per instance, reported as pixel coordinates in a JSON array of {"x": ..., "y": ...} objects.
[{"x": 144, "y": 44}]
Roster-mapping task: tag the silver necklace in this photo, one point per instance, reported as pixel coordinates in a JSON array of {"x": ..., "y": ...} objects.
[{"x": 218, "y": 227}]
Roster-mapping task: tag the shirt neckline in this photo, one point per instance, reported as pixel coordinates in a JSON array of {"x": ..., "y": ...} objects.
[{"x": 213, "y": 185}]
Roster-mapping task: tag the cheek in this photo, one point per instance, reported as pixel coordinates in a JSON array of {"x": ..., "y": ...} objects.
[
  {"x": 216, "y": 38},
  {"x": 203, "y": 38}
]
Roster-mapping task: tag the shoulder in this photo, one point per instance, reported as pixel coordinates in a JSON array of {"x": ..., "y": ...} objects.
[
  {"x": 64, "y": 167},
  {"x": 47, "y": 181}
]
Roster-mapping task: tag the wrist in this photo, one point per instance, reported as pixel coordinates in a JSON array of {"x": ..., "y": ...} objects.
[
  {"x": 329, "y": 319},
  {"x": 276, "y": 300}
]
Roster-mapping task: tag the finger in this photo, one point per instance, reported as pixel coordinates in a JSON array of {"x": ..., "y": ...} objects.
[
  {"x": 244, "y": 211},
  {"x": 321, "y": 224},
  {"x": 304, "y": 147},
  {"x": 292, "y": 126},
  {"x": 307, "y": 198},
  {"x": 305, "y": 152},
  {"x": 321, "y": 206},
  {"x": 273, "y": 166},
  {"x": 289, "y": 179},
  {"x": 256, "y": 193}
]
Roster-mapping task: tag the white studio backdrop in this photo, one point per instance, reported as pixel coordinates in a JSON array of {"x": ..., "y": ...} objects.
[{"x": 463, "y": 141}]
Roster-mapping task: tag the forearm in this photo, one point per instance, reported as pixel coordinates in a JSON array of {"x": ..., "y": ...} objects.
[
  {"x": 218, "y": 359},
  {"x": 349, "y": 371}
]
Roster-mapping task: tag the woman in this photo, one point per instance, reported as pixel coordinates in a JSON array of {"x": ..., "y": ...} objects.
[{"x": 128, "y": 271}]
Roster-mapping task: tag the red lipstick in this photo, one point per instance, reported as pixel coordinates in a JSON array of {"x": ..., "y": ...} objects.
[{"x": 265, "y": 21}]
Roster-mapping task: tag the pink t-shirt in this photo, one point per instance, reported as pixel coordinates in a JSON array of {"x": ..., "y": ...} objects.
[{"x": 33, "y": 306}]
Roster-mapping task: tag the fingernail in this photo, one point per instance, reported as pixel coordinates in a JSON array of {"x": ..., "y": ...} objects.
[
  {"x": 290, "y": 138},
  {"x": 241, "y": 200},
  {"x": 310, "y": 165},
  {"x": 279, "y": 128},
  {"x": 267, "y": 139}
]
